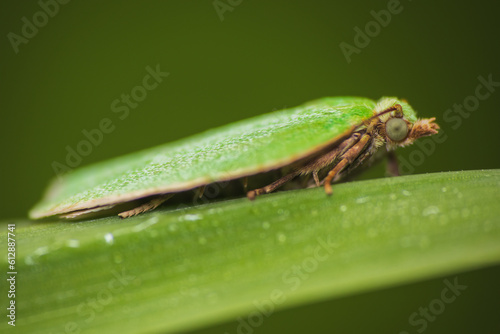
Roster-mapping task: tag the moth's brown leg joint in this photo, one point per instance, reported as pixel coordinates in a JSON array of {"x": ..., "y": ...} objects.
[
  {"x": 347, "y": 158},
  {"x": 337, "y": 169},
  {"x": 271, "y": 187}
]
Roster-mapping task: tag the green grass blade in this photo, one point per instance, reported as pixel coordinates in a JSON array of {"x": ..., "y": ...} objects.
[{"x": 186, "y": 269}]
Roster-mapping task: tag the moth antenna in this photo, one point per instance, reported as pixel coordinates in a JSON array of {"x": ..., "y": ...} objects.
[{"x": 397, "y": 107}]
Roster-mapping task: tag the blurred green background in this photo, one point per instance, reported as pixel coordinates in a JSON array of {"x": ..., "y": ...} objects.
[
  {"x": 262, "y": 56},
  {"x": 255, "y": 57}
]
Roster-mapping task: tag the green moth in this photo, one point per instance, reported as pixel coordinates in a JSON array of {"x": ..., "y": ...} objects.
[{"x": 327, "y": 139}]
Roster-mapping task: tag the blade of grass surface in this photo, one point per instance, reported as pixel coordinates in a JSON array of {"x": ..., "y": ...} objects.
[{"x": 185, "y": 269}]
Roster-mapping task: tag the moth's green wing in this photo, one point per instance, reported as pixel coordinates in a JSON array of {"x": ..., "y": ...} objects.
[{"x": 247, "y": 147}]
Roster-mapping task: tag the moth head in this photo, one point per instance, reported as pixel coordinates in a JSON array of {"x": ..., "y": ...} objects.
[
  {"x": 397, "y": 130},
  {"x": 401, "y": 132}
]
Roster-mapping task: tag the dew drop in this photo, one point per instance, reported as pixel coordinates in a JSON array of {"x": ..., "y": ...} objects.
[
  {"x": 108, "y": 237},
  {"x": 281, "y": 238},
  {"x": 430, "y": 210},
  {"x": 283, "y": 212},
  {"x": 41, "y": 251},
  {"x": 73, "y": 243},
  {"x": 457, "y": 193},
  {"x": 146, "y": 224},
  {"x": 29, "y": 261},
  {"x": 362, "y": 200},
  {"x": 192, "y": 217}
]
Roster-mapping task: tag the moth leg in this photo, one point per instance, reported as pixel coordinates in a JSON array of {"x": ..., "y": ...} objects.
[
  {"x": 312, "y": 167},
  {"x": 271, "y": 187},
  {"x": 152, "y": 204},
  {"x": 392, "y": 168},
  {"x": 316, "y": 178},
  {"x": 329, "y": 158},
  {"x": 245, "y": 183},
  {"x": 199, "y": 192},
  {"x": 347, "y": 158}
]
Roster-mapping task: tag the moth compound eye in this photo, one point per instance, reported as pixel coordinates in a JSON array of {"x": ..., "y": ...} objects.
[{"x": 396, "y": 129}]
